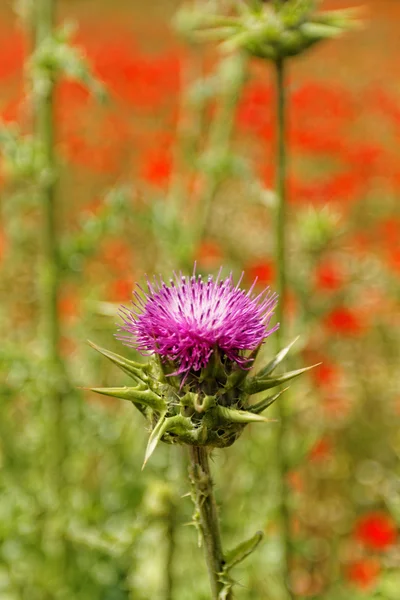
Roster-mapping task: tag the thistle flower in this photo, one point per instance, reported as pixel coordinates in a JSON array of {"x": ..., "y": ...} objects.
[
  {"x": 202, "y": 337},
  {"x": 268, "y": 30},
  {"x": 188, "y": 320}
]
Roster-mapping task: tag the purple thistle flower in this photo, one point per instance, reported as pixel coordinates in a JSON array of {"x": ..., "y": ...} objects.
[{"x": 185, "y": 321}]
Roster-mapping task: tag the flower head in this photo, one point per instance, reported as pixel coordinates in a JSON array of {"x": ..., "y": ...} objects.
[
  {"x": 185, "y": 321},
  {"x": 377, "y": 530}
]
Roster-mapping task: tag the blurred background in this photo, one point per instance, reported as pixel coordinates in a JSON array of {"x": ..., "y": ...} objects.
[{"x": 175, "y": 163}]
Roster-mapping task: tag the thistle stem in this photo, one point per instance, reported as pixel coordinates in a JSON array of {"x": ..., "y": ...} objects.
[
  {"x": 44, "y": 116},
  {"x": 171, "y": 525},
  {"x": 50, "y": 277},
  {"x": 171, "y": 534},
  {"x": 281, "y": 251},
  {"x": 207, "y": 513}
]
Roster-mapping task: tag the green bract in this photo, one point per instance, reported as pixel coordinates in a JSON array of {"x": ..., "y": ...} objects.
[{"x": 210, "y": 409}]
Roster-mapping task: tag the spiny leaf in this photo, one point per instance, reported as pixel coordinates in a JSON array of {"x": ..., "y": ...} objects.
[
  {"x": 177, "y": 424},
  {"x": 319, "y": 31},
  {"x": 345, "y": 18},
  {"x": 242, "y": 551},
  {"x": 154, "y": 438},
  {"x": 255, "y": 385},
  {"x": 134, "y": 369},
  {"x": 239, "y": 416},
  {"x": 276, "y": 361},
  {"x": 135, "y": 394},
  {"x": 263, "y": 404}
]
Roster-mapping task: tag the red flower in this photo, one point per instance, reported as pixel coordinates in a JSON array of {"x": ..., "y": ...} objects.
[
  {"x": 121, "y": 290},
  {"x": 12, "y": 54},
  {"x": 364, "y": 573},
  {"x": 321, "y": 450},
  {"x": 157, "y": 168},
  {"x": 68, "y": 304},
  {"x": 389, "y": 231},
  {"x": 328, "y": 277},
  {"x": 376, "y": 530},
  {"x": 209, "y": 254},
  {"x": 263, "y": 270},
  {"x": 343, "y": 321},
  {"x": 393, "y": 259},
  {"x": 325, "y": 374},
  {"x": 253, "y": 113}
]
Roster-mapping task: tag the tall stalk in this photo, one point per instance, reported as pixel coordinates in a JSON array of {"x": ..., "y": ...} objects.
[
  {"x": 44, "y": 14},
  {"x": 44, "y": 118},
  {"x": 281, "y": 260},
  {"x": 207, "y": 515}
]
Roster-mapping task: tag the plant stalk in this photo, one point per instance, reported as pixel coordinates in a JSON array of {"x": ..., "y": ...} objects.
[
  {"x": 171, "y": 547},
  {"x": 56, "y": 382},
  {"x": 281, "y": 259},
  {"x": 207, "y": 515},
  {"x": 44, "y": 117}
]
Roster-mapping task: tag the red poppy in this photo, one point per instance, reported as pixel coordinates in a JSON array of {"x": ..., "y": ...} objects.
[
  {"x": 12, "y": 54},
  {"x": 209, "y": 254},
  {"x": 328, "y": 276},
  {"x": 253, "y": 110},
  {"x": 263, "y": 270},
  {"x": 393, "y": 259},
  {"x": 343, "y": 321},
  {"x": 377, "y": 530},
  {"x": 121, "y": 290},
  {"x": 68, "y": 304},
  {"x": 157, "y": 168},
  {"x": 321, "y": 450},
  {"x": 325, "y": 374},
  {"x": 389, "y": 231},
  {"x": 364, "y": 572}
]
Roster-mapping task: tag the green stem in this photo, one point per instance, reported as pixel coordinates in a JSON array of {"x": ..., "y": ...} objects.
[
  {"x": 44, "y": 116},
  {"x": 172, "y": 472},
  {"x": 44, "y": 15},
  {"x": 281, "y": 250},
  {"x": 207, "y": 513},
  {"x": 171, "y": 544}
]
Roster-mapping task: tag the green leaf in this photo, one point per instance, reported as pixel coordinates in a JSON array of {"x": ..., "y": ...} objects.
[
  {"x": 133, "y": 369},
  {"x": 177, "y": 424},
  {"x": 263, "y": 404},
  {"x": 239, "y": 416},
  {"x": 344, "y": 18},
  {"x": 255, "y": 385},
  {"x": 319, "y": 31},
  {"x": 154, "y": 438},
  {"x": 276, "y": 361},
  {"x": 242, "y": 551},
  {"x": 138, "y": 393}
]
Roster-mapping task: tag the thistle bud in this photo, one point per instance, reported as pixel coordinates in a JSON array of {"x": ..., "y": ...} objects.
[{"x": 270, "y": 30}]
